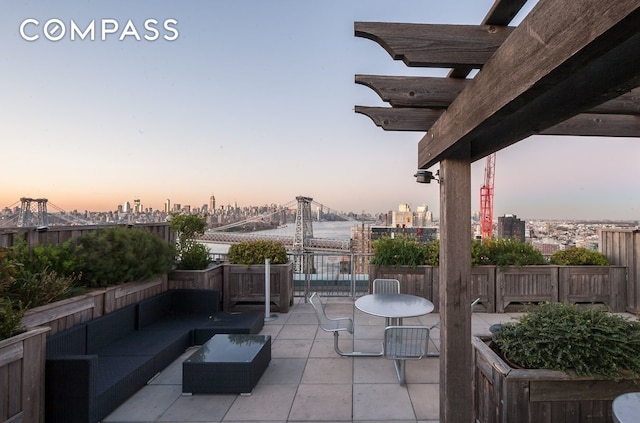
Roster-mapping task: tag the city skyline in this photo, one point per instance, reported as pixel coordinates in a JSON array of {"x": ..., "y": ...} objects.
[{"x": 251, "y": 102}]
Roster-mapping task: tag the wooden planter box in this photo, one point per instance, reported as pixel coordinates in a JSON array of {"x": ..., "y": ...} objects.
[
  {"x": 22, "y": 359},
  {"x": 244, "y": 286},
  {"x": 517, "y": 286},
  {"x": 210, "y": 278},
  {"x": 504, "y": 394},
  {"x": 604, "y": 285},
  {"x": 423, "y": 281}
]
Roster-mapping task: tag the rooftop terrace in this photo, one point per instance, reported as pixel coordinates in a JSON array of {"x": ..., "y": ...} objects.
[{"x": 307, "y": 381}]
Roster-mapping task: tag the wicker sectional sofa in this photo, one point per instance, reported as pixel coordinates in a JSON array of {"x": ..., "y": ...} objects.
[{"x": 94, "y": 367}]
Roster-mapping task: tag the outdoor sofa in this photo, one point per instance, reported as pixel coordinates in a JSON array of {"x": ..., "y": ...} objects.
[{"x": 94, "y": 367}]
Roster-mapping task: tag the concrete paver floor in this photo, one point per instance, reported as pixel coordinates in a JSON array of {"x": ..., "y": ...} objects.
[{"x": 307, "y": 381}]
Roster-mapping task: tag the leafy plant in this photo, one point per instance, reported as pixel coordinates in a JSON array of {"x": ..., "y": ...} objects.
[
  {"x": 507, "y": 252},
  {"x": 196, "y": 257},
  {"x": 116, "y": 255},
  {"x": 10, "y": 319},
  {"x": 579, "y": 256},
  {"x": 33, "y": 289},
  {"x": 566, "y": 337},
  {"x": 190, "y": 254},
  {"x": 60, "y": 258},
  {"x": 255, "y": 252},
  {"x": 398, "y": 251},
  {"x": 432, "y": 253},
  {"x": 8, "y": 269}
]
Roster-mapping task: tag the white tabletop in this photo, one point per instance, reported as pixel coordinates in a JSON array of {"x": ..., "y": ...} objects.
[
  {"x": 626, "y": 408},
  {"x": 395, "y": 306}
]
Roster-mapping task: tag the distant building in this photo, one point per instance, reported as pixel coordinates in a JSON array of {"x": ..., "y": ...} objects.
[
  {"x": 403, "y": 218},
  {"x": 167, "y": 206},
  {"x": 509, "y": 226},
  {"x": 212, "y": 203}
]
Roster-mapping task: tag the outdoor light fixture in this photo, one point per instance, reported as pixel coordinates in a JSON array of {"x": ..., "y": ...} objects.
[{"x": 425, "y": 177}]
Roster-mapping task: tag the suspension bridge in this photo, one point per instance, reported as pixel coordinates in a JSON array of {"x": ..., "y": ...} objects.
[{"x": 302, "y": 240}]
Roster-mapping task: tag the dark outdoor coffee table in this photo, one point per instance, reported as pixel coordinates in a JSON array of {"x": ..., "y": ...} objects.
[{"x": 227, "y": 364}]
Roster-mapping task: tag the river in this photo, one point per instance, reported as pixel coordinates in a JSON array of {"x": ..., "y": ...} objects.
[{"x": 328, "y": 230}]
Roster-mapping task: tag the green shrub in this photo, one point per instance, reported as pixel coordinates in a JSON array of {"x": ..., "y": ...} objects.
[
  {"x": 196, "y": 257},
  {"x": 566, "y": 337},
  {"x": 507, "y": 252},
  {"x": 46, "y": 257},
  {"x": 10, "y": 319},
  {"x": 432, "y": 253},
  {"x": 190, "y": 254},
  {"x": 8, "y": 269},
  {"x": 33, "y": 289},
  {"x": 255, "y": 252},
  {"x": 399, "y": 251},
  {"x": 579, "y": 257},
  {"x": 117, "y": 255}
]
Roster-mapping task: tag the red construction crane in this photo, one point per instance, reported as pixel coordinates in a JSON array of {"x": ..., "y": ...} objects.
[{"x": 486, "y": 199}]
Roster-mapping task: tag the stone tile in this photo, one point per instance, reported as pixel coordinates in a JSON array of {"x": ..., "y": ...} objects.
[
  {"x": 374, "y": 370},
  {"x": 198, "y": 408},
  {"x": 323, "y": 348},
  {"x": 381, "y": 402},
  {"x": 303, "y": 319},
  {"x": 272, "y": 329},
  {"x": 283, "y": 371},
  {"x": 146, "y": 405},
  {"x": 426, "y": 370},
  {"x": 298, "y": 331},
  {"x": 425, "y": 399},
  {"x": 322, "y": 402},
  {"x": 369, "y": 332},
  {"x": 328, "y": 370},
  {"x": 266, "y": 403},
  {"x": 291, "y": 348}
]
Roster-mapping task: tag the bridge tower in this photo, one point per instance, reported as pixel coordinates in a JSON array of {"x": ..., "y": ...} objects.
[
  {"x": 304, "y": 231},
  {"x": 33, "y": 215}
]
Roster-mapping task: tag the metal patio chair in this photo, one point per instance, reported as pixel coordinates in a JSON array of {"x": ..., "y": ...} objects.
[
  {"x": 386, "y": 286},
  {"x": 403, "y": 343},
  {"x": 337, "y": 325}
]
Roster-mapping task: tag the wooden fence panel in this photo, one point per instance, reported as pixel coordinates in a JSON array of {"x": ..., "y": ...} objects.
[
  {"x": 517, "y": 286},
  {"x": 593, "y": 285},
  {"x": 622, "y": 248}
]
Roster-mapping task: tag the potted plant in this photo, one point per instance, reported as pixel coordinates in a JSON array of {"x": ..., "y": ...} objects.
[
  {"x": 557, "y": 363},
  {"x": 244, "y": 275},
  {"x": 190, "y": 254},
  {"x": 406, "y": 259},
  {"x": 193, "y": 259}
]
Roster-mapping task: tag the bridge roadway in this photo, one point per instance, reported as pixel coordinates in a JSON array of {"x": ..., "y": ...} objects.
[{"x": 312, "y": 244}]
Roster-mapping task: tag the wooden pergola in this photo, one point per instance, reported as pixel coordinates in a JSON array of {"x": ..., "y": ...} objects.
[{"x": 571, "y": 67}]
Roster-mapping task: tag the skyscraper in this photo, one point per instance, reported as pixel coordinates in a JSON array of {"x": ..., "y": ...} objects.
[
  {"x": 212, "y": 203},
  {"x": 509, "y": 226}
]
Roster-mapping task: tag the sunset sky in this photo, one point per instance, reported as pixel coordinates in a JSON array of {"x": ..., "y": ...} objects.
[{"x": 251, "y": 101}]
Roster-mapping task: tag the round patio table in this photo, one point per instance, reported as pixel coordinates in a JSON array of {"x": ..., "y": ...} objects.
[
  {"x": 394, "y": 306},
  {"x": 626, "y": 408}
]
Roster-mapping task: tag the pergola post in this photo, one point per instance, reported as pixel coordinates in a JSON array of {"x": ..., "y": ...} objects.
[{"x": 456, "y": 376}]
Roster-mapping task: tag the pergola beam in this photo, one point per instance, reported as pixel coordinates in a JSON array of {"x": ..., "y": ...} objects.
[
  {"x": 584, "y": 124},
  {"x": 414, "y": 91},
  {"x": 571, "y": 65},
  {"x": 405, "y": 119},
  {"x": 436, "y": 93},
  {"x": 428, "y": 45}
]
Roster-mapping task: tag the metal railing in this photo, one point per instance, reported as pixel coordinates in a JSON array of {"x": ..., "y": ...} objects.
[{"x": 332, "y": 274}]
